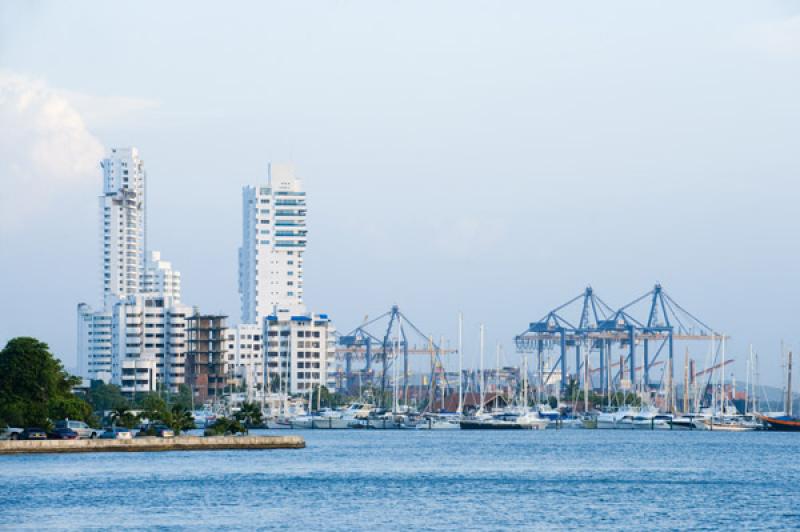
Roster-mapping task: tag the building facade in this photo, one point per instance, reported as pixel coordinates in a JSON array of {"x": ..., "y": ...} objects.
[
  {"x": 123, "y": 237},
  {"x": 136, "y": 339},
  {"x": 245, "y": 357},
  {"x": 161, "y": 278},
  {"x": 206, "y": 367},
  {"x": 301, "y": 351},
  {"x": 94, "y": 343},
  {"x": 273, "y": 244},
  {"x": 149, "y": 343}
]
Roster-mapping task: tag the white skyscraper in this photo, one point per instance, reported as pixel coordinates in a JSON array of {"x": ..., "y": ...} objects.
[
  {"x": 141, "y": 323},
  {"x": 273, "y": 243},
  {"x": 123, "y": 221}
]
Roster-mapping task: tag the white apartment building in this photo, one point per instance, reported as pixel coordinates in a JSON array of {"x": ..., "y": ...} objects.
[
  {"x": 301, "y": 350},
  {"x": 273, "y": 243},
  {"x": 245, "y": 356},
  {"x": 161, "y": 278},
  {"x": 94, "y": 343},
  {"x": 123, "y": 224},
  {"x": 148, "y": 337}
]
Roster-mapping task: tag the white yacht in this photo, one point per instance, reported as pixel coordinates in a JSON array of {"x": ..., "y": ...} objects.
[
  {"x": 620, "y": 419},
  {"x": 649, "y": 418}
]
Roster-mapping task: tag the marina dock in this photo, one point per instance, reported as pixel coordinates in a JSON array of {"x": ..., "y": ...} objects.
[{"x": 180, "y": 443}]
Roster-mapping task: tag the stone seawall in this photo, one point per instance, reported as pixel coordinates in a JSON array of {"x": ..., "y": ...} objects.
[{"x": 180, "y": 443}]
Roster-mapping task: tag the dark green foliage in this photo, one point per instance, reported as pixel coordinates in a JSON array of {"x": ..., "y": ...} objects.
[
  {"x": 122, "y": 417},
  {"x": 224, "y": 426},
  {"x": 104, "y": 397},
  {"x": 34, "y": 388},
  {"x": 183, "y": 398},
  {"x": 152, "y": 406},
  {"x": 179, "y": 419},
  {"x": 250, "y": 414}
]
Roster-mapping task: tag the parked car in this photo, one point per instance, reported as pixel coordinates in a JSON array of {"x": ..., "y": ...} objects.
[
  {"x": 117, "y": 433},
  {"x": 84, "y": 431},
  {"x": 63, "y": 433},
  {"x": 33, "y": 433},
  {"x": 155, "y": 429},
  {"x": 10, "y": 433}
]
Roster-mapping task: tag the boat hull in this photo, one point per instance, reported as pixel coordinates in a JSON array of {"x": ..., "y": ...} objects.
[
  {"x": 782, "y": 425},
  {"x": 488, "y": 425}
]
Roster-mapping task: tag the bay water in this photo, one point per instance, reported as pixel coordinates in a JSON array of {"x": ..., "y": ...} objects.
[{"x": 422, "y": 480}]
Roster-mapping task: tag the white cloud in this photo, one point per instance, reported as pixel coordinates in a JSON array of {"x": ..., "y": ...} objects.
[
  {"x": 780, "y": 37},
  {"x": 45, "y": 149}
]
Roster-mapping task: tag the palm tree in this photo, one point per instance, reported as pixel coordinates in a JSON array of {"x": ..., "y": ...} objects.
[
  {"x": 123, "y": 416},
  {"x": 250, "y": 414},
  {"x": 181, "y": 419}
]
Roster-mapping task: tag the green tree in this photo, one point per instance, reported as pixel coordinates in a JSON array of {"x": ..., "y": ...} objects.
[
  {"x": 250, "y": 414},
  {"x": 179, "y": 419},
  {"x": 223, "y": 426},
  {"x": 34, "y": 388},
  {"x": 104, "y": 397},
  {"x": 122, "y": 417},
  {"x": 183, "y": 398},
  {"x": 153, "y": 406}
]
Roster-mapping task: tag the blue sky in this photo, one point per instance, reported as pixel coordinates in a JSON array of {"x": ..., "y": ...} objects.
[{"x": 493, "y": 158}]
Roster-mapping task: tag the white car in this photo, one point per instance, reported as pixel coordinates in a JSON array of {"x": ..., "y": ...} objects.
[
  {"x": 10, "y": 433},
  {"x": 85, "y": 432}
]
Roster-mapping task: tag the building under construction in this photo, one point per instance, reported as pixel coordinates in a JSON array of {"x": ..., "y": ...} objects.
[{"x": 206, "y": 373}]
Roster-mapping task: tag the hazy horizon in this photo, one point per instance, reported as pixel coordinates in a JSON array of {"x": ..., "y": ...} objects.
[{"x": 493, "y": 159}]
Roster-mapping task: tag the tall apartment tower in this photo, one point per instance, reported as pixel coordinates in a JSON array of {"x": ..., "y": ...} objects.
[
  {"x": 123, "y": 224},
  {"x": 273, "y": 244}
]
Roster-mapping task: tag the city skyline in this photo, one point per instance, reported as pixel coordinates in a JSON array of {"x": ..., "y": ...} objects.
[{"x": 497, "y": 173}]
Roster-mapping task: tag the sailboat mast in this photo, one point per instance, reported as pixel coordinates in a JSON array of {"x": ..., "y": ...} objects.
[
  {"x": 722, "y": 385},
  {"x": 789, "y": 386},
  {"x": 686, "y": 382},
  {"x": 460, "y": 363},
  {"x": 482, "y": 383},
  {"x": 525, "y": 382},
  {"x": 497, "y": 375},
  {"x": 586, "y": 378}
]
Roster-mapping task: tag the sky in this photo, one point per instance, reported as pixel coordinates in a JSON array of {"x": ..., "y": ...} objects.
[{"x": 488, "y": 158}]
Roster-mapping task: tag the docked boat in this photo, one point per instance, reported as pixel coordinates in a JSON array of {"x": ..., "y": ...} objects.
[
  {"x": 780, "y": 423},
  {"x": 731, "y": 424},
  {"x": 438, "y": 422},
  {"x": 650, "y": 419},
  {"x": 500, "y": 421},
  {"x": 687, "y": 422},
  {"x": 619, "y": 419}
]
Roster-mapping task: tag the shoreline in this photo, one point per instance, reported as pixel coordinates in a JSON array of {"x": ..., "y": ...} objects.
[{"x": 151, "y": 444}]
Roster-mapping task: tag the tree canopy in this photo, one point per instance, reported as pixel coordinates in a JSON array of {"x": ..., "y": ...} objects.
[{"x": 34, "y": 388}]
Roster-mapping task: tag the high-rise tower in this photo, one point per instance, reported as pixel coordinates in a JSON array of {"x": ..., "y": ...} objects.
[
  {"x": 273, "y": 243},
  {"x": 123, "y": 223}
]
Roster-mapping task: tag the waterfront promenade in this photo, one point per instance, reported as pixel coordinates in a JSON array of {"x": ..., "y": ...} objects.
[{"x": 180, "y": 443}]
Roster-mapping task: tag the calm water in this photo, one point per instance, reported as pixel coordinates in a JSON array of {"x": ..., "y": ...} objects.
[{"x": 346, "y": 480}]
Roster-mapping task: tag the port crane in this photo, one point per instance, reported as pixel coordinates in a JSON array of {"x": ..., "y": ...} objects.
[
  {"x": 652, "y": 322},
  {"x": 386, "y": 341}
]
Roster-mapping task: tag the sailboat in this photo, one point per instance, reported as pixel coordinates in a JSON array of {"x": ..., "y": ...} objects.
[{"x": 787, "y": 423}]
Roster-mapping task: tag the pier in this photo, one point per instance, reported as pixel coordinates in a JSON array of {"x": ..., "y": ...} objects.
[{"x": 149, "y": 444}]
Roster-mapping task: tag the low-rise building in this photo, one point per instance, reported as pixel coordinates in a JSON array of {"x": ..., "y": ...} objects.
[
  {"x": 245, "y": 357},
  {"x": 149, "y": 343},
  {"x": 301, "y": 351}
]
